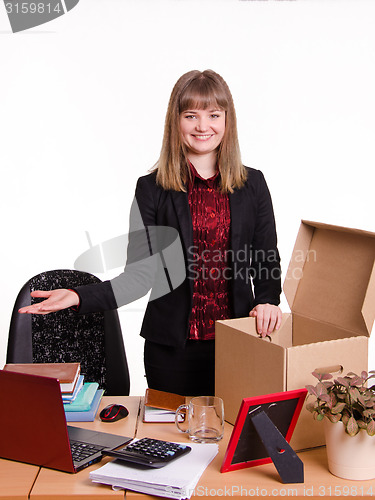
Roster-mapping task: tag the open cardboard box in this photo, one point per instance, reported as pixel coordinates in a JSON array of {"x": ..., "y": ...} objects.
[{"x": 330, "y": 288}]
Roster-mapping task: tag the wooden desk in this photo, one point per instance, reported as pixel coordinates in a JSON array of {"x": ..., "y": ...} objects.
[
  {"x": 263, "y": 480},
  {"x": 53, "y": 484},
  {"x": 16, "y": 479}
]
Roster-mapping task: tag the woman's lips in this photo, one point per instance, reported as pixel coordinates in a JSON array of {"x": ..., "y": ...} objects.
[{"x": 203, "y": 137}]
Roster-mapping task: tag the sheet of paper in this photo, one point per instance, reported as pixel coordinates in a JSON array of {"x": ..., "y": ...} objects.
[
  {"x": 176, "y": 480},
  {"x": 158, "y": 415}
]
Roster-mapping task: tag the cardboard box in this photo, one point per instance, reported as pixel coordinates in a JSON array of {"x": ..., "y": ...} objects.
[{"x": 330, "y": 288}]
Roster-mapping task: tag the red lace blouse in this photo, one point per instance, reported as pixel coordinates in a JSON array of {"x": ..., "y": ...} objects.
[{"x": 210, "y": 215}]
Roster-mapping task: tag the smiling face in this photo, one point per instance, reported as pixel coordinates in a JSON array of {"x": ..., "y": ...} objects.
[{"x": 202, "y": 130}]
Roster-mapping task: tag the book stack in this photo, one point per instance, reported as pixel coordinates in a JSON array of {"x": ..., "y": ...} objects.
[{"x": 81, "y": 399}]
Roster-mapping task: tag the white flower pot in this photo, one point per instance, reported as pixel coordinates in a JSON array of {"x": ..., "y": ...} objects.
[{"x": 349, "y": 457}]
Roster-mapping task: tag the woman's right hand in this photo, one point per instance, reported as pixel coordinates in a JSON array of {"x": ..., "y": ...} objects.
[{"x": 55, "y": 301}]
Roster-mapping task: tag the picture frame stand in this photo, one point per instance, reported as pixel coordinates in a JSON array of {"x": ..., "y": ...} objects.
[{"x": 289, "y": 466}]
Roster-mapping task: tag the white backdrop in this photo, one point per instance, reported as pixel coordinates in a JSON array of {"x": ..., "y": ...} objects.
[{"x": 83, "y": 100}]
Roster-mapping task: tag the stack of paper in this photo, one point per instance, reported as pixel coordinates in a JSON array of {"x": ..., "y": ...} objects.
[
  {"x": 158, "y": 415},
  {"x": 176, "y": 480}
]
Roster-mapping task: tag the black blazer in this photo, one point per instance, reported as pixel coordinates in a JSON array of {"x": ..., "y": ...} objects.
[{"x": 254, "y": 259}]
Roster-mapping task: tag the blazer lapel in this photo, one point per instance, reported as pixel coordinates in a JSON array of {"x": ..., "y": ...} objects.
[
  {"x": 181, "y": 205},
  {"x": 236, "y": 214}
]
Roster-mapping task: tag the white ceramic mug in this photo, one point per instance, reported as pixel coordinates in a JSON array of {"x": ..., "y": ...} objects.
[{"x": 205, "y": 419}]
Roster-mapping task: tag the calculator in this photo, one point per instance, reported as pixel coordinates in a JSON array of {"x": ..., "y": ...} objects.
[{"x": 149, "y": 452}]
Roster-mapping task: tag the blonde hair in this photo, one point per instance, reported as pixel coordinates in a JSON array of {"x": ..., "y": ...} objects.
[{"x": 199, "y": 90}]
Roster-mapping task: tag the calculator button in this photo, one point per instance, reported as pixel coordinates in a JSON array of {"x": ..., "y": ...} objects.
[{"x": 150, "y": 452}]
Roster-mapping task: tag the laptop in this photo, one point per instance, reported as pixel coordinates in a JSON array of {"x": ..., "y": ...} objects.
[{"x": 34, "y": 430}]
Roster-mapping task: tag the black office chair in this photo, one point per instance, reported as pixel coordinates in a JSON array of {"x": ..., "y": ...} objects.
[{"x": 95, "y": 340}]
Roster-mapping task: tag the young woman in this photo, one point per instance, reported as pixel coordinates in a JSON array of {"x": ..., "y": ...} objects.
[{"x": 223, "y": 214}]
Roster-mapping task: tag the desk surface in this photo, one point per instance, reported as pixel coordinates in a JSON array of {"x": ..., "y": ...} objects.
[
  {"x": 16, "y": 480},
  {"x": 263, "y": 480}
]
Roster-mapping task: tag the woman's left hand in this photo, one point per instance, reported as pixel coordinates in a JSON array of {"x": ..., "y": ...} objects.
[{"x": 268, "y": 318}]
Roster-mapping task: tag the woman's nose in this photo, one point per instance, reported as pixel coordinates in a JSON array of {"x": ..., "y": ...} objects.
[{"x": 202, "y": 125}]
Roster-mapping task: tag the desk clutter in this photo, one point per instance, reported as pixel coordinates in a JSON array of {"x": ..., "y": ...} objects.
[
  {"x": 81, "y": 399},
  {"x": 176, "y": 480},
  {"x": 22, "y": 480}
]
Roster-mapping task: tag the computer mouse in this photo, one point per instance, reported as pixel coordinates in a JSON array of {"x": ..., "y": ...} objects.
[{"x": 113, "y": 412}]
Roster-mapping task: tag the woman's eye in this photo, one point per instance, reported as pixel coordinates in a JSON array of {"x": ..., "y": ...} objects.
[{"x": 215, "y": 116}]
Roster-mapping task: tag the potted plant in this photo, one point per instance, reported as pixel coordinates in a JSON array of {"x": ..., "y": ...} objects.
[{"x": 349, "y": 407}]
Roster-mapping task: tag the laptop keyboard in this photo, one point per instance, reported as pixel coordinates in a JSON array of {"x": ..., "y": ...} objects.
[{"x": 82, "y": 451}]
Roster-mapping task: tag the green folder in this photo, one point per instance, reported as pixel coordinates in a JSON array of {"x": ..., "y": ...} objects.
[{"x": 84, "y": 399}]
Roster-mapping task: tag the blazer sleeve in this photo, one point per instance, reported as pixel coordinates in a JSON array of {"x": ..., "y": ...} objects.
[
  {"x": 138, "y": 276},
  {"x": 265, "y": 258}
]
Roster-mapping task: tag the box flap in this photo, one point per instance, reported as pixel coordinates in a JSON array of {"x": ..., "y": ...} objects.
[
  {"x": 331, "y": 276},
  {"x": 368, "y": 309}
]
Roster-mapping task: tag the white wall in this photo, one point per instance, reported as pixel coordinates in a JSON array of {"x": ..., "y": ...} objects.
[{"x": 82, "y": 109}]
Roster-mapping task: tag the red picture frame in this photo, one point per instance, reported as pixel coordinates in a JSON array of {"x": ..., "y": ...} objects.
[{"x": 245, "y": 448}]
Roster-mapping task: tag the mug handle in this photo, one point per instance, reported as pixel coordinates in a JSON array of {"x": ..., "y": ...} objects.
[{"x": 178, "y": 414}]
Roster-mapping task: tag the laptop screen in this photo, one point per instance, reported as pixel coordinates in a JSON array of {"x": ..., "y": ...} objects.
[
  {"x": 35, "y": 431},
  {"x": 32, "y": 412}
]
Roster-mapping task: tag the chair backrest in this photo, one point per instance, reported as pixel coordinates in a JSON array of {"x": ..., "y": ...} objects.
[{"x": 95, "y": 340}]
